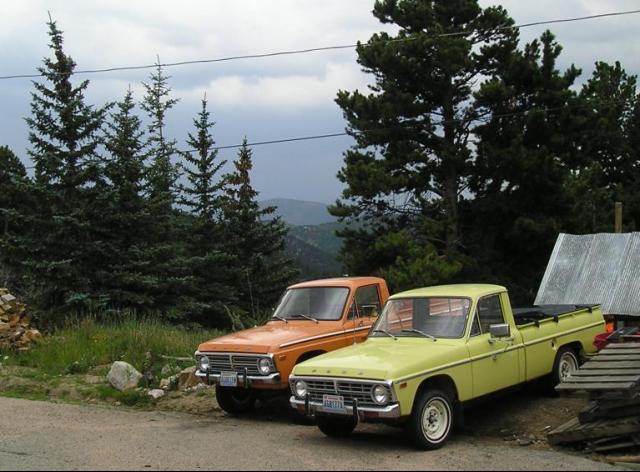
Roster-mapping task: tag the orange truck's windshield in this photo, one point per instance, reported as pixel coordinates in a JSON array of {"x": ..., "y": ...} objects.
[
  {"x": 319, "y": 303},
  {"x": 430, "y": 317}
]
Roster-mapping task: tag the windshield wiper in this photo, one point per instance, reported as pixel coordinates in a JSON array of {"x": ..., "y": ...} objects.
[
  {"x": 307, "y": 318},
  {"x": 417, "y": 331},
  {"x": 276, "y": 317},
  {"x": 385, "y": 332}
]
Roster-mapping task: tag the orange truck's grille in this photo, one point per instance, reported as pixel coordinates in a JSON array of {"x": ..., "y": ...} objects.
[{"x": 230, "y": 363}]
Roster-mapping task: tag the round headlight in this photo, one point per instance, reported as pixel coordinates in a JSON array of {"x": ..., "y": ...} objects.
[
  {"x": 300, "y": 389},
  {"x": 381, "y": 395},
  {"x": 203, "y": 363},
  {"x": 264, "y": 366}
]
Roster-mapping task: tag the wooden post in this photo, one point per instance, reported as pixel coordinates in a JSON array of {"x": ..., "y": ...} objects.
[{"x": 618, "y": 217}]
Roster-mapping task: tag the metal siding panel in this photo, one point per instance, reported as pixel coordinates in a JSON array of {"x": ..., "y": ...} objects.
[{"x": 594, "y": 269}]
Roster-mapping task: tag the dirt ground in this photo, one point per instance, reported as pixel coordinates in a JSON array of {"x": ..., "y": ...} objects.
[{"x": 46, "y": 436}]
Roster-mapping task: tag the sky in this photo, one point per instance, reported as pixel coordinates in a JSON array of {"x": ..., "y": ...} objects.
[{"x": 262, "y": 99}]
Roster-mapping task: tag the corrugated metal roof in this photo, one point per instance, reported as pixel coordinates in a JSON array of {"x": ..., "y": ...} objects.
[{"x": 594, "y": 269}]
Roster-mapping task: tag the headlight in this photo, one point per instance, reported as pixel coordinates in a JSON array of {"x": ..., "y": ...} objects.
[
  {"x": 381, "y": 395},
  {"x": 300, "y": 389},
  {"x": 203, "y": 364},
  {"x": 264, "y": 366}
]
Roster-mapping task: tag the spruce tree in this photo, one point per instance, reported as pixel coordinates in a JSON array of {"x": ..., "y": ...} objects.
[
  {"x": 256, "y": 240},
  {"x": 64, "y": 137},
  {"x": 16, "y": 204},
  {"x": 210, "y": 291},
  {"x": 126, "y": 218},
  {"x": 165, "y": 248}
]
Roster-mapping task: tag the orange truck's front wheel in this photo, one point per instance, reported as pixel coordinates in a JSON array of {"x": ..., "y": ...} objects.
[{"x": 235, "y": 400}]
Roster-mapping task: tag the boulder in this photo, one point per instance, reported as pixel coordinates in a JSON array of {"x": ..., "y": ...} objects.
[
  {"x": 123, "y": 376},
  {"x": 187, "y": 378},
  {"x": 156, "y": 394}
]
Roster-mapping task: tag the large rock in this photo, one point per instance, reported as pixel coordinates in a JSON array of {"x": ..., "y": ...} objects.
[
  {"x": 187, "y": 378},
  {"x": 156, "y": 394},
  {"x": 123, "y": 376}
]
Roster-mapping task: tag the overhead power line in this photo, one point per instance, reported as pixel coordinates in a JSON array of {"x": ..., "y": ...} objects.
[{"x": 325, "y": 48}]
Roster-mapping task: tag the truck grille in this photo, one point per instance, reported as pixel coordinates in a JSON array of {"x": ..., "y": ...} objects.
[
  {"x": 233, "y": 363},
  {"x": 349, "y": 390}
]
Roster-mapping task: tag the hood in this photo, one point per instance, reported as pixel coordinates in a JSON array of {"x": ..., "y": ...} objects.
[
  {"x": 384, "y": 359},
  {"x": 267, "y": 339}
]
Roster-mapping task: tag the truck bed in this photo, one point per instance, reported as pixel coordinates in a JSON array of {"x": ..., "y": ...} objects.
[{"x": 536, "y": 314}]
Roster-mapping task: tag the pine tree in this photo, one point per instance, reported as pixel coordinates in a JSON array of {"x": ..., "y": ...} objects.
[
  {"x": 256, "y": 240},
  {"x": 64, "y": 137},
  {"x": 407, "y": 173},
  {"x": 609, "y": 156},
  {"x": 522, "y": 170},
  {"x": 210, "y": 289}
]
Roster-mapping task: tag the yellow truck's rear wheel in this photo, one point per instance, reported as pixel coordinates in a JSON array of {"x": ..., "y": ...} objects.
[
  {"x": 565, "y": 365},
  {"x": 432, "y": 420}
]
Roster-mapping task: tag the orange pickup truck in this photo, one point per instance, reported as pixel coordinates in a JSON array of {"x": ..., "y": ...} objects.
[{"x": 311, "y": 319}]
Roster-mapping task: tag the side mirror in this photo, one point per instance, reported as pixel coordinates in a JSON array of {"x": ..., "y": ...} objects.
[{"x": 500, "y": 331}]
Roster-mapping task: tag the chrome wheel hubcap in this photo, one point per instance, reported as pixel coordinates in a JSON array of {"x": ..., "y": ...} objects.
[
  {"x": 435, "y": 420},
  {"x": 568, "y": 366}
]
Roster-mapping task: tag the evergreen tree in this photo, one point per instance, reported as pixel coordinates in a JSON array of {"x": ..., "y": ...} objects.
[
  {"x": 406, "y": 175},
  {"x": 256, "y": 240},
  {"x": 210, "y": 289},
  {"x": 162, "y": 173},
  {"x": 609, "y": 153},
  {"x": 15, "y": 206},
  {"x": 64, "y": 139},
  {"x": 521, "y": 173},
  {"x": 125, "y": 216},
  {"x": 165, "y": 247}
]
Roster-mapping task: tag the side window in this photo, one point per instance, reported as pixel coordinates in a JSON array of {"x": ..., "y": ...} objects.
[
  {"x": 475, "y": 327},
  {"x": 490, "y": 312},
  {"x": 368, "y": 301}
]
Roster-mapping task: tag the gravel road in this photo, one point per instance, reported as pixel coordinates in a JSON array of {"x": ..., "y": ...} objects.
[{"x": 45, "y": 436}]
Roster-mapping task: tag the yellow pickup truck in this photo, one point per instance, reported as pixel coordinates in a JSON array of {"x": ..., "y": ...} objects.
[{"x": 434, "y": 349}]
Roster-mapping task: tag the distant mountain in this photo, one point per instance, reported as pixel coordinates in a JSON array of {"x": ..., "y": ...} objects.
[{"x": 300, "y": 213}]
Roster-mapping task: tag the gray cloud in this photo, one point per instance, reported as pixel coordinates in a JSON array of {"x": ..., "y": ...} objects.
[{"x": 266, "y": 98}]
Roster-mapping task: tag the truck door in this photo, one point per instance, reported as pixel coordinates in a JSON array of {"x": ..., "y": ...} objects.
[
  {"x": 495, "y": 363},
  {"x": 365, "y": 310}
]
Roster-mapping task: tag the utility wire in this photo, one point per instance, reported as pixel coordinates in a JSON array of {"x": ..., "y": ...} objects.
[{"x": 327, "y": 48}]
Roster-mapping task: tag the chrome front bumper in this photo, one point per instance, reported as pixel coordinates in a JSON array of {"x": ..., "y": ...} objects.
[
  {"x": 243, "y": 381},
  {"x": 310, "y": 408}
]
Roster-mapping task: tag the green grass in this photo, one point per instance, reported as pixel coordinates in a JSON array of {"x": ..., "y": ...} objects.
[{"x": 83, "y": 346}]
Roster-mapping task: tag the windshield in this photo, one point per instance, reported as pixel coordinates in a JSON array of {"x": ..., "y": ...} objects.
[
  {"x": 322, "y": 304},
  {"x": 416, "y": 317}
]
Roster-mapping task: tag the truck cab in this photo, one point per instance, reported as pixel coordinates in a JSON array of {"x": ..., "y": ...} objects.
[{"x": 311, "y": 319}]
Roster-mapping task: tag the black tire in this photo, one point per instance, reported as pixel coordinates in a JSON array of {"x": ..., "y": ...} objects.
[
  {"x": 566, "y": 363},
  {"x": 336, "y": 426},
  {"x": 235, "y": 401},
  {"x": 432, "y": 420}
]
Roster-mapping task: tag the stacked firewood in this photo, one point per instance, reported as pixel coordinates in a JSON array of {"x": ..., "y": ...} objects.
[
  {"x": 16, "y": 331},
  {"x": 611, "y": 423}
]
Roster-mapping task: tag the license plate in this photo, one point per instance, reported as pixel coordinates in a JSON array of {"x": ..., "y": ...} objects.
[
  {"x": 229, "y": 379},
  {"x": 333, "y": 403}
]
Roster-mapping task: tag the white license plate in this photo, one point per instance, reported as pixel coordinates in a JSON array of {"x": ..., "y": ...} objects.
[
  {"x": 333, "y": 403},
  {"x": 229, "y": 379}
]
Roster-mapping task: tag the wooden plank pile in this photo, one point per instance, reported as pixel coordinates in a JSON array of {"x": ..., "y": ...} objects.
[
  {"x": 611, "y": 423},
  {"x": 15, "y": 325}
]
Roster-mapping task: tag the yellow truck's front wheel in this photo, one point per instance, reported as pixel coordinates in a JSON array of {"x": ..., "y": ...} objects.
[
  {"x": 235, "y": 400},
  {"x": 432, "y": 420}
]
